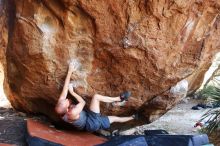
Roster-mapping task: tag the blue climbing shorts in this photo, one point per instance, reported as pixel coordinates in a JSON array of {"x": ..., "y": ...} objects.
[{"x": 95, "y": 121}]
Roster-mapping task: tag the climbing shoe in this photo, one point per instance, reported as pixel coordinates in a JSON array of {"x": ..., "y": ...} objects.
[{"x": 125, "y": 95}]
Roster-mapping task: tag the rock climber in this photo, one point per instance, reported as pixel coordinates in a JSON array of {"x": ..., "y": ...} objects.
[{"x": 90, "y": 120}]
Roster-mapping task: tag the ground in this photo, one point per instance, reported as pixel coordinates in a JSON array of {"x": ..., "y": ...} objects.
[
  {"x": 12, "y": 124},
  {"x": 179, "y": 120}
]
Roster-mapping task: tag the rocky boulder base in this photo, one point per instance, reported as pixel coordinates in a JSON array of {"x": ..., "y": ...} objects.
[{"x": 146, "y": 47}]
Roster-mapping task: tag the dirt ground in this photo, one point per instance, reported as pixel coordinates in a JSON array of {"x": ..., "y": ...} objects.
[
  {"x": 179, "y": 120},
  {"x": 12, "y": 127},
  {"x": 13, "y": 124}
]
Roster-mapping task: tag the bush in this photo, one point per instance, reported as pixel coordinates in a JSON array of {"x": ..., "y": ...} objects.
[{"x": 212, "y": 117}]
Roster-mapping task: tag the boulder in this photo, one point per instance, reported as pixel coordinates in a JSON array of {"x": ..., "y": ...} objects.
[{"x": 145, "y": 47}]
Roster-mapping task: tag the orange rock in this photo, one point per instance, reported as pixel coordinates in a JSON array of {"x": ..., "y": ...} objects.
[{"x": 145, "y": 47}]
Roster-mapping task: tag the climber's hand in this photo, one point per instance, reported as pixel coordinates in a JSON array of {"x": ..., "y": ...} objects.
[{"x": 74, "y": 65}]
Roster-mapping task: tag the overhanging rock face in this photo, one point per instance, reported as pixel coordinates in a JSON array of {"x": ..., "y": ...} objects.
[{"x": 142, "y": 46}]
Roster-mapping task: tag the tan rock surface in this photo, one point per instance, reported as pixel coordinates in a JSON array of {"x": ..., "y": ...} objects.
[
  {"x": 142, "y": 46},
  {"x": 3, "y": 47},
  {"x": 209, "y": 51}
]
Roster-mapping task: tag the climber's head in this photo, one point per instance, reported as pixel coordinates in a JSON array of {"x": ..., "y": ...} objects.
[{"x": 62, "y": 106}]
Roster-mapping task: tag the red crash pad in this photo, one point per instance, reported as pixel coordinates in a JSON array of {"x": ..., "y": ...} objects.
[
  {"x": 67, "y": 138},
  {"x": 4, "y": 144}
]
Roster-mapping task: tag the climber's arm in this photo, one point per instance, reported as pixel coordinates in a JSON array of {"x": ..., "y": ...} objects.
[
  {"x": 65, "y": 87},
  {"x": 79, "y": 107},
  {"x": 64, "y": 92},
  {"x": 78, "y": 98}
]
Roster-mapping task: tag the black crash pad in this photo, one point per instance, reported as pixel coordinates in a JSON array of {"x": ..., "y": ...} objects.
[{"x": 161, "y": 140}]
